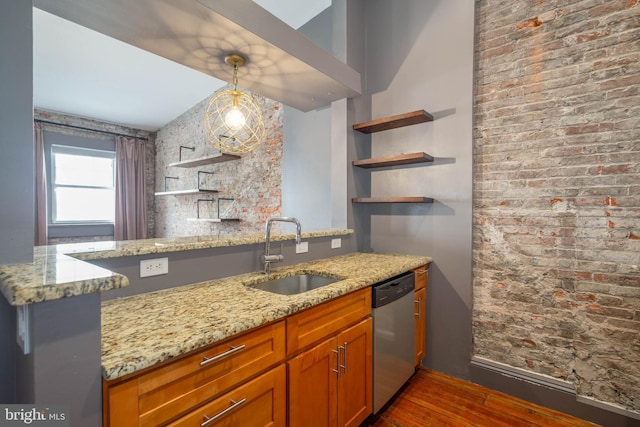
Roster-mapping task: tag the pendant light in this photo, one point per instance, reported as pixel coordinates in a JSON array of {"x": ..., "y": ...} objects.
[{"x": 233, "y": 120}]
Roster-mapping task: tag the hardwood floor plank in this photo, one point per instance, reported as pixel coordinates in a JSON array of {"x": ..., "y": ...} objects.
[
  {"x": 540, "y": 414},
  {"x": 405, "y": 413},
  {"x": 434, "y": 399}
]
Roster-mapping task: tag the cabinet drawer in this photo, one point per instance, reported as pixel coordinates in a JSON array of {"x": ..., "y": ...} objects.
[
  {"x": 260, "y": 402},
  {"x": 312, "y": 325},
  {"x": 179, "y": 386},
  {"x": 422, "y": 275}
]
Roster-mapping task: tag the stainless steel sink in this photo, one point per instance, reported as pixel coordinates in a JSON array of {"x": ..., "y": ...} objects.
[{"x": 295, "y": 284}]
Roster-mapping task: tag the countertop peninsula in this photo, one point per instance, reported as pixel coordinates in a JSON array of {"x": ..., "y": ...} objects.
[{"x": 60, "y": 271}]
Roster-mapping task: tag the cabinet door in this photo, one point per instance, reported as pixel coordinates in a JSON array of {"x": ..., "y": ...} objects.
[
  {"x": 421, "y": 324},
  {"x": 422, "y": 276},
  {"x": 259, "y": 403},
  {"x": 313, "y": 386},
  {"x": 354, "y": 382}
]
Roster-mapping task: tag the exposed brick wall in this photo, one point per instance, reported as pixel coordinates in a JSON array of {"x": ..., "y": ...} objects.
[
  {"x": 254, "y": 181},
  {"x": 557, "y": 192}
]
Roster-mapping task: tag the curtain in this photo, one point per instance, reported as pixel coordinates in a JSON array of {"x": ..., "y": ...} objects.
[
  {"x": 40, "y": 193},
  {"x": 131, "y": 206}
]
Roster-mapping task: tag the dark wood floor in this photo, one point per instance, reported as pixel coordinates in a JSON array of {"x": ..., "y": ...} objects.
[{"x": 434, "y": 399}]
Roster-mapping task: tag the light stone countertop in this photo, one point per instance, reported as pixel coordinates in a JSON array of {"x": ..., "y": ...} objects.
[
  {"x": 60, "y": 271},
  {"x": 143, "y": 330}
]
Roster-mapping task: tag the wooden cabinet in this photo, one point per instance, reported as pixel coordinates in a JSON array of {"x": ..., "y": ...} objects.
[
  {"x": 387, "y": 123},
  {"x": 243, "y": 381},
  {"x": 330, "y": 373},
  {"x": 330, "y": 384},
  {"x": 259, "y": 403},
  {"x": 310, "y": 326},
  {"x": 355, "y": 349},
  {"x": 420, "y": 301},
  {"x": 161, "y": 394}
]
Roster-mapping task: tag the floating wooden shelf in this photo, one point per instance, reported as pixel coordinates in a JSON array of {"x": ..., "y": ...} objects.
[
  {"x": 184, "y": 192},
  {"x": 214, "y": 219},
  {"x": 401, "y": 120},
  {"x": 207, "y": 160},
  {"x": 392, "y": 200},
  {"x": 400, "y": 159}
]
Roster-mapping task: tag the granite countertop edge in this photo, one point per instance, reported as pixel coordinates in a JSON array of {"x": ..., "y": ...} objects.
[
  {"x": 141, "y": 331},
  {"x": 61, "y": 271}
]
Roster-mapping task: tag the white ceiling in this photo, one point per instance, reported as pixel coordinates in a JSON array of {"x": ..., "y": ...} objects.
[{"x": 82, "y": 72}]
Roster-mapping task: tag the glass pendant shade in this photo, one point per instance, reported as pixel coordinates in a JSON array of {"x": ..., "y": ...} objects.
[{"x": 233, "y": 120}]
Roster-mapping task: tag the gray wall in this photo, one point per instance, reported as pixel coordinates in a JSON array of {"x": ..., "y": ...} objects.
[
  {"x": 214, "y": 263},
  {"x": 419, "y": 63},
  {"x": 305, "y": 157},
  {"x": 64, "y": 366},
  {"x": 307, "y": 149},
  {"x": 16, "y": 162}
]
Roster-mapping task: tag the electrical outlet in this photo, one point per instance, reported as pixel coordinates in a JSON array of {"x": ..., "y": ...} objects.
[
  {"x": 302, "y": 248},
  {"x": 336, "y": 243},
  {"x": 154, "y": 267}
]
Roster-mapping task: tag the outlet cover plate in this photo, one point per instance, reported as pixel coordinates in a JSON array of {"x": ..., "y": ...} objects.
[
  {"x": 336, "y": 243},
  {"x": 302, "y": 248},
  {"x": 154, "y": 267}
]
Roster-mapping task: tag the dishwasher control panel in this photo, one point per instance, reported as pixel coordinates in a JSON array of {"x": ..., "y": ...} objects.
[{"x": 392, "y": 289}]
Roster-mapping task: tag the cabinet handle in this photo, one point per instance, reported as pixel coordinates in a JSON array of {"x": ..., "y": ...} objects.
[
  {"x": 422, "y": 271},
  {"x": 233, "y": 406},
  {"x": 207, "y": 360},
  {"x": 337, "y": 370},
  {"x": 344, "y": 360},
  {"x": 419, "y": 302}
]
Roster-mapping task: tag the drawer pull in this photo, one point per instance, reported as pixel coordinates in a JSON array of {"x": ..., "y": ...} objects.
[
  {"x": 233, "y": 406},
  {"x": 206, "y": 360},
  {"x": 425, "y": 271}
]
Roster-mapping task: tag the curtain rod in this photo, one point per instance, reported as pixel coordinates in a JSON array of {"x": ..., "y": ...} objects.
[{"x": 91, "y": 130}]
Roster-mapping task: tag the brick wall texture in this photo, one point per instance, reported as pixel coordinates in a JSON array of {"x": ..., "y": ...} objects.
[
  {"x": 254, "y": 181},
  {"x": 556, "y": 239}
]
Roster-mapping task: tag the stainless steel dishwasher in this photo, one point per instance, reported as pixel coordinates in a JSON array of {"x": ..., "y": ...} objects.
[{"x": 393, "y": 336}]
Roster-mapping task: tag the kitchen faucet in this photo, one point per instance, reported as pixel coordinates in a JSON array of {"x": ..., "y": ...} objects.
[{"x": 267, "y": 258}]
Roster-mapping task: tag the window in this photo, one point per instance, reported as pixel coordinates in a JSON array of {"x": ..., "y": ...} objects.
[{"x": 82, "y": 185}]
